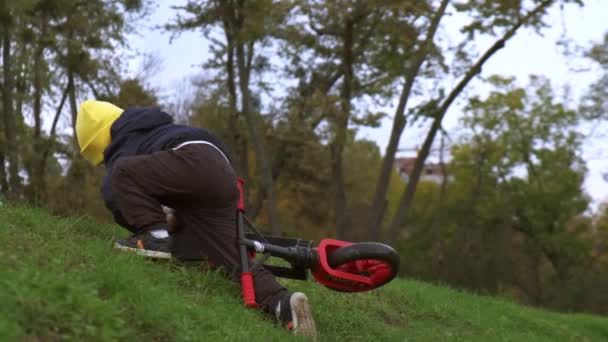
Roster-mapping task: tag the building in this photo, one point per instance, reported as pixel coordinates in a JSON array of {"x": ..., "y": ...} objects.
[{"x": 433, "y": 172}]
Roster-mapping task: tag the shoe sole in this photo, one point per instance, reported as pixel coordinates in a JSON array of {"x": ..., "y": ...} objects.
[
  {"x": 304, "y": 324},
  {"x": 144, "y": 252}
]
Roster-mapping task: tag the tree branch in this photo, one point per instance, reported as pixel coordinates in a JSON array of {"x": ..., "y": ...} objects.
[
  {"x": 378, "y": 204},
  {"x": 410, "y": 189},
  {"x": 64, "y": 97}
]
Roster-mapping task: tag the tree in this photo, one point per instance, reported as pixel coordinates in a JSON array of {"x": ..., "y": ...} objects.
[
  {"x": 133, "y": 93},
  {"x": 514, "y": 219},
  {"x": 52, "y": 51},
  {"x": 344, "y": 52},
  {"x": 594, "y": 103},
  {"x": 488, "y": 18},
  {"x": 424, "y": 51},
  {"x": 525, "y": 178},
  {"x": 246, "y": 27},
  {"x": 7, "y": 14}
]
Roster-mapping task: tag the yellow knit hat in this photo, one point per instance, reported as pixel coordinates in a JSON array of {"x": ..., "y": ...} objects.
[{"x": 93, "y": 128}]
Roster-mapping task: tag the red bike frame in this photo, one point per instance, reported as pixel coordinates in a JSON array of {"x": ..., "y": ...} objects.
[{"x": 355, "y": 276}]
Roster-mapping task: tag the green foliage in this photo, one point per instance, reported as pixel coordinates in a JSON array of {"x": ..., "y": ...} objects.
[
  {"x": 133, "y": 93},
  {"x": 513, "y": 220},
  {"x": 58, "y": 52},
  {"x": 384, "y": 37},
  {"x": 488, "y": 16},
  {"x": 84, "y": 37},
  {"x": 252, "y": 23},
  {"x": 60, "y": 280},
  {"x": 594, "y": 104}
]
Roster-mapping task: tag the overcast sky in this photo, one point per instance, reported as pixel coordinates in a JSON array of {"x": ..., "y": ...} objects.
[{"x": 527, "y": 53}]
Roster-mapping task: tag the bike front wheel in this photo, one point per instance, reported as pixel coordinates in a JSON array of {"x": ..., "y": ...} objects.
[{"x": 377, "y": 261}]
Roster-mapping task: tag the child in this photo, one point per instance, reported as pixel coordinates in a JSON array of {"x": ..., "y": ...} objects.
[{"x": 151, "y": 163}]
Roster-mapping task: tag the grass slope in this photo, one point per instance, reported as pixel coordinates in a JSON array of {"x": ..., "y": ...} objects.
[{"x": 60, "y": 280}]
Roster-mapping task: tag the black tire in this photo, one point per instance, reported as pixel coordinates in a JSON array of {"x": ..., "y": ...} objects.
[{"x": 364, "y": 251}]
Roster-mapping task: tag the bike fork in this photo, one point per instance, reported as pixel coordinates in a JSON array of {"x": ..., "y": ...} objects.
[{"x": 246, "y": 275}]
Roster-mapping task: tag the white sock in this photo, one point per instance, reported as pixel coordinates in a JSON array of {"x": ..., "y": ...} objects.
[{"x": 160, "y": 233}]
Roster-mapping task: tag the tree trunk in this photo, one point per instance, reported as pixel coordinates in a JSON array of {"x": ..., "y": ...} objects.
[
  {"x": 10, "y": 128},
  {"x": 38, "y": 181},
  {"x": 439, "y": 214},
  {"x": 412, "y": 183},
  {"x": 244, "y": 161},
  {"x": 379, "y": 203},
  {"x": 3, "y": 181},
  {"x": 237, "y": 141},
  {"x": 48, "y": 146},
  {"x": 256, "y": 205},
  {"x": 79, "y": 168},
  {"x": 262, "y": 163},
  {"x": 232, "y": 97},
  {"x": 341, "y": 212},
  {"x": 73, "y": 108}
]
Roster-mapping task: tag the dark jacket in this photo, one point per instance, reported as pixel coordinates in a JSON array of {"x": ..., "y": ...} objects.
[{"x": 141, "y": 131}]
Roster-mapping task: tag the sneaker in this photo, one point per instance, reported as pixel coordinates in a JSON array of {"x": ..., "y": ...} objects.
[
  {"x": 147, "y": 245},
  {"x": 293, "y": 311}
]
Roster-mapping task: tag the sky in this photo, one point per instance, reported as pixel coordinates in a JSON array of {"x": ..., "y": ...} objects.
[{"x": 527, "y": 53}]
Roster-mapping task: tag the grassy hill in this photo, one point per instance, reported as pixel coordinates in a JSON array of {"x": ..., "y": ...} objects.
[{"x": 61, "y": 280}]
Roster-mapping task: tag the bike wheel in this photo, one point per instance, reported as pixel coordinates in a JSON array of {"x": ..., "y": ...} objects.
[{"x": 377, "y": 261}]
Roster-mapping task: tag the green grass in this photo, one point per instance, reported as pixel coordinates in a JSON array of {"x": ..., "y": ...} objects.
[{"x": 61, "y": 280}]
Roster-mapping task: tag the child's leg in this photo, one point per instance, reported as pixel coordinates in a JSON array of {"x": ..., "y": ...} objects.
[
  {"x": 215, "y": 230},
  {"x": 199, "y": 183}
]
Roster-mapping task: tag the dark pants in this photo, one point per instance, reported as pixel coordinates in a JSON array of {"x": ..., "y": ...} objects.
[{"x": 200, "y": 185}]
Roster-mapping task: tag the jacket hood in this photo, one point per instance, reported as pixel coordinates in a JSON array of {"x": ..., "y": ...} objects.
[
  {"x": 140, "y": 118},
  {"x": 93, "y": 124}
]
